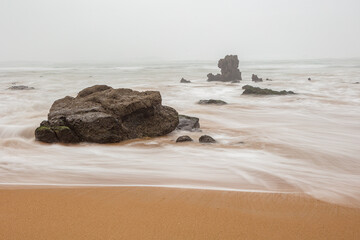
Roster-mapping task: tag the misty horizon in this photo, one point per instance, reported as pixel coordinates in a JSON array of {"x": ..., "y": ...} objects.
[{"x": 141, "y": 31}]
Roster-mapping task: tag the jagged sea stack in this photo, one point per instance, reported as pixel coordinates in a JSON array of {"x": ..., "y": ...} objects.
[
  {"x": 229, "y": 70},
  {"x": 102, "y": 114}
]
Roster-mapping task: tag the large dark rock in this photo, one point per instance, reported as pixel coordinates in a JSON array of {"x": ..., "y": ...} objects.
[
  {"x": 187, "y": 123},
  {"x": 20, "y": 87},
  {"x": 102, "y": 114},
  {"x": 183, "y": 80},
  {"x": 255, "y": 78},
  {"x": 263, "y": 91},
  {"x": 212, "y": 101},
  {"x": 229, "y": 70}
]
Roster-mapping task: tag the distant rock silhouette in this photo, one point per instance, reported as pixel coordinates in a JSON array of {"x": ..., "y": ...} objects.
[
  {"x": 263, "y": 91},
  {"x": 212, "y": 101},
  {"x": 183, "y": 80},
  {"x": 255, "y": 78},
  {"x": 20, "y": 87},
  {"x": 229, "y": 70}
]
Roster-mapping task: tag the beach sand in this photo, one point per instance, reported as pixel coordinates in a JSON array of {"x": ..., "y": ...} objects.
[{"x": 169, "y": 213}]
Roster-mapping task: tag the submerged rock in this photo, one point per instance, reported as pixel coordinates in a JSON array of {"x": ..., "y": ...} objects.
[
  {"x": 20, "y": 87},
  {"x": 229, "y": 70},
  {"x": 206, "y": 139},
  {"x": 187, "y": 123},
  {"x": 183, "y": 80},
  {"x": 212, "y": 101},
  {"x": 102, "y": 114},
  {"x": 184, "y": 139},
  {"x": 263, "y": 91},
  {"x": 255, "y": 78}
]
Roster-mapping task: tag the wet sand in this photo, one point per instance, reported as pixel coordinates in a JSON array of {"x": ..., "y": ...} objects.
[{"x": 168, "y": 213}]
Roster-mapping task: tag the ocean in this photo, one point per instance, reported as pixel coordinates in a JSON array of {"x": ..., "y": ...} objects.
[{"x": 307, "y": 143}]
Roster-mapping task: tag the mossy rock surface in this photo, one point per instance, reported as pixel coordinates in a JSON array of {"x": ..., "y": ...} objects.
[{"x": 45, "y": 134}]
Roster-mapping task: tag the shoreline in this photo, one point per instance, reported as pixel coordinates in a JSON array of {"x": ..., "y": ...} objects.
[{"x": 169, "y": 213}]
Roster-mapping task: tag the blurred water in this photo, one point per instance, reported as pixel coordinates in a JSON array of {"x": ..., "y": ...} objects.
[{"x": 307, "y": 142}]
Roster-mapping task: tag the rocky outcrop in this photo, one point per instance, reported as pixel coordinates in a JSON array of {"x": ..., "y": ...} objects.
[
  {"x": 184, "y": 138},
  {"x": 255, "y": 78},
  {"x": 102, "y": 114},
  {"x": 263, "y": 91},
  {"x": 212, "y": 101},
  {"x": 20, "y": 87},
  {"x": 183, "y": 80},
  {"x": 206, "y": 139},
  {"x": 187, "y": 123},
  {"x": 229, "y": 70}
]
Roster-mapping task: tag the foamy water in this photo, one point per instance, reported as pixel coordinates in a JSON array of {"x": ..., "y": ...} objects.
[{"x": 308, "y": 142}]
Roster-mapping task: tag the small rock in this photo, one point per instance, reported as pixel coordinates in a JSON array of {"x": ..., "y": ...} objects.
[
  {"x": 184, "y": 139},
  {"x": 255, "y": 78},
  {"x": 263, "y": 91},
  {"x": 20, "y": 87},
  {"x": 268, "y": 79},
  {"x": 212, "y": 101},
  {"x": 309, "y": 79},
  {"x": 183, "y": 80},
  {"x": 206, "y": 139},
  {"x": 356, "y": 82},
  {"x": 187, "y": 123}
]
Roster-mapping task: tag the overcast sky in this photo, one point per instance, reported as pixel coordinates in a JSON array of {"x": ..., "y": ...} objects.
[{"x": 119, "y": 30}]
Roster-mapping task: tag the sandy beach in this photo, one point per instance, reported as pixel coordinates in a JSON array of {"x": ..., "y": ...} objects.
[{"x": 169, "y": 213}]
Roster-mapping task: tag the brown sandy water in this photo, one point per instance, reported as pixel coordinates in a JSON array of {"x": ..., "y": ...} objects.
[{"x": 307, "y": 143}]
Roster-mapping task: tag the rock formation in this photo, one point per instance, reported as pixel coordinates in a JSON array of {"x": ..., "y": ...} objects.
[
  {"x": 212, "y": 101},
  {"x": 229, "y": 70},
  {"x": 102, "y": 114},
  {"x": 263, "y": 91},
  {"x": 187, "y": 123},
  {"x": 255, "y": 78},
  {"x": 183, "y": 80}
]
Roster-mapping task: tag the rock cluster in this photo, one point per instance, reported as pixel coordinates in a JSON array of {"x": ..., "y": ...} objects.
[
  {"x": 263, "y": 91},
  {"x": 202, "y": 139},
  {"x": 229, "y": 70},
  {"x": 102, "y": 114}
]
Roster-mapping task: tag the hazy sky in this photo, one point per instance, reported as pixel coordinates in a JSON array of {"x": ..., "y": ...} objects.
[{"x": 119, "y": 30}]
